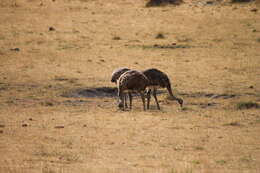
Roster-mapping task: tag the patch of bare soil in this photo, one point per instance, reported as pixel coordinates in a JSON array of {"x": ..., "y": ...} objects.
[{"x": 92, "y": 92}]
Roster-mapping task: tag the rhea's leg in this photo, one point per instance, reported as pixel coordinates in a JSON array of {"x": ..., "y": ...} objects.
[
  {"x": 143, "y": 99},
  {"x": 121, "y": 103},
  {"x": 125, "y": 100},
  {"x": 155, "y": 97},
  {"x": 130, "y": 99},
  {"x": 148, "y": 98}
]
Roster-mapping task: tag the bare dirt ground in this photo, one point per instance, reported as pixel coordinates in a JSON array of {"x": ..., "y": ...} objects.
[{"x": 53, "y": 51}]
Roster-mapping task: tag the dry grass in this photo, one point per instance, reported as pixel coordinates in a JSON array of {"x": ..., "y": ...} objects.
[
  {"x": 247, "y": 105},
  {"x": 49, "y": 125}
]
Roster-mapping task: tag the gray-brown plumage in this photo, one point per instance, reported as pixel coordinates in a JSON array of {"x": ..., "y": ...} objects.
[
  {"x": 158, "y": 79},
  {"x": 131, "y": 81},
  {"x": 117, "y": 73}
]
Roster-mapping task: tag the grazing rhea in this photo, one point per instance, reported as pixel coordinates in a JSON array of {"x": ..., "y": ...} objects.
[
  {"x": 116, "y": 75},
  {"x": 131, "y": 81},
  {"x": 158, "y": 79}
]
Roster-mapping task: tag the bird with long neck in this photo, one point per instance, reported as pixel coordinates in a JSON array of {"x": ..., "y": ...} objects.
[
  {"x": 116, "y": 75},
  {"x": 129, "y": 82},
  {"x": 158, "y": 79}
]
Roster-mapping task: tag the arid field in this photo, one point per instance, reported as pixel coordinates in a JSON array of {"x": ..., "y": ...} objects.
[{"x": 58, "y": 107}]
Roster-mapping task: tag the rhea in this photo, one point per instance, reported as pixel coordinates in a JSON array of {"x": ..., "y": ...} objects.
[
  {"x": 158, "y": 79},
  {"x": 129, "y": 82},
  {"x": 116, "y": 75}
]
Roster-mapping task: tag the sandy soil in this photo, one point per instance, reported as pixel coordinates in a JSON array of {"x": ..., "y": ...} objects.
[{"x": 50, "y": 50}]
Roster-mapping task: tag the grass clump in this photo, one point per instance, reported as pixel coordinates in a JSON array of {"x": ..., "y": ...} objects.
[
  {"x": 116, "y": 38},
  {"x": 157, "y": 3},
  {"x": 247, "y": 105},
  {"x": 196, "y": 162},
  {"x": 47, "y": 103},
  {"x": 246, "y": 159},
  {"x": 183, "y": 171},
  {"x": 199, "y": 148},
  {"x": 160, "y": 36},
  {"x": 240, "y": 1},
  {"x": 235, "y": 124},
  {"x": 221, "y": 162}
]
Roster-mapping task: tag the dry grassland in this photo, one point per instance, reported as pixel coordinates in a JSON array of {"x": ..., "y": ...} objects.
[{"x": 52, "y": 51}]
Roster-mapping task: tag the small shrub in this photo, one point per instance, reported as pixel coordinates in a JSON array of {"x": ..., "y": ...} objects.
[
  {"x": 52, "y": 28},
  {"x": 240, "y": 1},
  {"x": 199, "y": 148},
  {"x": 154, "y": 3},
  {"x": 236, "y": 124},
  {"x": 246, "y": 159},
  {"x": 183, "y": 171},
  {"x": 196, "y": 162},
  {"x": 116, "y": 38},
  {"x": 47, "y": 103},
  {"x": 247, "y": 105},
  {"x": 221, "y": 162},
  {"x": 160, "y": 36}
]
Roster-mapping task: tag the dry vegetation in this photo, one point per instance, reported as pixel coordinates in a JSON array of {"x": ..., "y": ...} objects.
[{"x": 55, "y": 54}]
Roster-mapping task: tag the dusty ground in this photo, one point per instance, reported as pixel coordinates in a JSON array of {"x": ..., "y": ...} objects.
[{"x": 50, "y": 50}]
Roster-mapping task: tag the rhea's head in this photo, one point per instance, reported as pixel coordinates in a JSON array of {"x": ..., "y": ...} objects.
[{"x": 117, "y": 73}]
